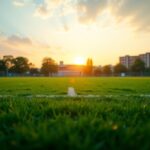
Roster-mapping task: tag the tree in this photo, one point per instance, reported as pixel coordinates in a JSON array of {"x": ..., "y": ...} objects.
[
  {"x": 20, "y": 65},
  {"x": 2, "y": 67},
  {"x": 8, "y": 64},
  {"x": 147, "y": 71},
  {"x": 88, "y": 70},
  {"x": 107, "y": 70},
  {"x": 97, "y": 71},
  {"x": 119, "y": 68},
  {"x": 34, "y": 71},
  {"x": 138, "y": 66},
  {"x": 49, "y": 66}
]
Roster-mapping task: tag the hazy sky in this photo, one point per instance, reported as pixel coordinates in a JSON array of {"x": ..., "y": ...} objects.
[{"x": 66, "y": 29}]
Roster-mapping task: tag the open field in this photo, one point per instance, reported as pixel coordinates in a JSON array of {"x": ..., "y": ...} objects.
[
  {"x": 83, "y": 86},
  {"x": 75, "y": 122}
]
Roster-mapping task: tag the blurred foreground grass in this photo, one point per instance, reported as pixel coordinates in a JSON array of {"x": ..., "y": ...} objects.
[{"x": 75, "y": 123}]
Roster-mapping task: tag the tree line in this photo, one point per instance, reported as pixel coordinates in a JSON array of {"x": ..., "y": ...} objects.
[
  {"x": 21, "y": 66},
  {"x": 136, "y": 69}
]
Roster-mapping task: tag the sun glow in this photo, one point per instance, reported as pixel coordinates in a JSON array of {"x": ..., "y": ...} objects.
[{"x": 79, "y": 61}]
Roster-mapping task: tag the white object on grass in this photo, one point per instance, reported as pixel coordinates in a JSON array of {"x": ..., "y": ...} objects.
[{"x": 71, "y": 92}]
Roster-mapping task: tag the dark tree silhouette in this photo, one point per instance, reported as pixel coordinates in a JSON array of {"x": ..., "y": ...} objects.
[
  {"x": 20, "y": 65},
  {"x": 107, "y": 70},
  {"x": 49, "y": 66},
  {"x": 8, "y": 64},
  {"x": 88, "y": 70},
  {"x": 3, "y": 67},
  {"x": 97, "y": 71},
  {"x": 138, "y": 66},
  {"x": 34, "y": 71},
  {"x": 119, "y": 68}
]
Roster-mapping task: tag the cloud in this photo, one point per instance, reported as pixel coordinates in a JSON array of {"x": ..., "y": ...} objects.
[
  {"x": 57, "y": 8},
  {"x": 42, "y": 11},
  {"x": 19, "y": 3},
  {"x": 66, "y": 28},
  {"x": 89, "y": 10},
  {"x": 18, "y": 40},
  {"x": 47, "y": 8},
  {"x": 133, "y": 12},
  {"x": 24, "y": 46},
  {"x": 136, "y": 12},
  {"x": 13, "y": 45}
]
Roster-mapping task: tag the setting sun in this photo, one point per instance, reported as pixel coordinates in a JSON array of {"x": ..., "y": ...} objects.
[{"x": 79, "y": 61}]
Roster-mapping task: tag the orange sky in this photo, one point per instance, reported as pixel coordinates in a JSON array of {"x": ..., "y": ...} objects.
[{"x": 68, "y": 29}]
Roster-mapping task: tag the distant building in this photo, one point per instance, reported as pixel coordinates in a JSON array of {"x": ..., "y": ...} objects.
[
  {"x": 146, "y": 59},
  {"x": 128, "y": 61},
  {"x": 8, "y": 57},
  {"x": 70, "y": 70}
]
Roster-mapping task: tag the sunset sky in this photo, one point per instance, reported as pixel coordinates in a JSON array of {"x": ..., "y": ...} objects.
[{"x": 69, "y": 30}]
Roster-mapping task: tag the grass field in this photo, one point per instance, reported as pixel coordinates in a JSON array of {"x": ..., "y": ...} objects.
[
  {"x": 83, "y": 86},
  {"x": 75, "y": 123}
]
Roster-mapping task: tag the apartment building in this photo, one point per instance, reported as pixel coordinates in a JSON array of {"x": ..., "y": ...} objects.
[
  {"x": 129, "y": 60},
  {"x": 70, "y": 69}
]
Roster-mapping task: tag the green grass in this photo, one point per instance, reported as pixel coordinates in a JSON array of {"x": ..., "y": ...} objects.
[
  {"x": 75, "y": 123},
  {"x": 59, "y": 86},
  {"x": 32, "y": 86}
]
